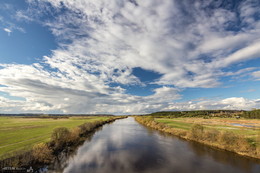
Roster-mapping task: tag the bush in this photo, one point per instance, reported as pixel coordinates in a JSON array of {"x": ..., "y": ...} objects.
[
  {"x": 60, "y": 137},
  {"x": 87, "y": 127},
  {"x": 42, "y": 153},
  {"x": 197, "y": 131},
  {"x": 161, "y": 125},
  {"x": 243, "y": 145},
  {"x": 74, "y": 135},
  {"x": 258, "y": 144},
  {"x": 227, "y": 138},
  {"x": 212, "y": 135}
]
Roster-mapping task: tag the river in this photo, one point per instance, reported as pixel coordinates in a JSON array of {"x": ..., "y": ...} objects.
[{"x": 125, "y": 146}]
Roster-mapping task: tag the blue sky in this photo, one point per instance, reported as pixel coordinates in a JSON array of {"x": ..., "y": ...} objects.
[{"x": 125, "y": 57}]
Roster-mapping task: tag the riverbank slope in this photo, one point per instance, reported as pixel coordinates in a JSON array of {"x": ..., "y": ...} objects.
[
  {"x": 39, "y": 139},
  {"x": 223, "y": 133}
]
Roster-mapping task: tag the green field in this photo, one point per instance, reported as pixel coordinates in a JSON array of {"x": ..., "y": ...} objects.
[
  {"x": 20, "y": 134},
  {"x": 221, "y": 124},
  {"x": 174, "y": 124},
  {"x": 239, "y": 135}
]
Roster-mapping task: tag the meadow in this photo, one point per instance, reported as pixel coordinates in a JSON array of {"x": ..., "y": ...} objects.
[
  {"x": 20, "y": 134},
  {"x": 249, "y": 128},
  {"x": 239, "y": 135}
]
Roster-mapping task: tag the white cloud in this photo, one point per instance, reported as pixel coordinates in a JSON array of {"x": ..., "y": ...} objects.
[
  {"x": 7, "y": 23},
  {"x": 154, "y": 36},
  {"x": 238, "y": 103},
  {"x": 102, "y": 41},
  {"x": 20, "y": 15},
  {"x": 232, "y": 103},
  {"x": 249, "y": 52},
  {"x": 74, "y": 91},
  {"x": 256, "y": 75},
  {"x": 8, "y": 31}
]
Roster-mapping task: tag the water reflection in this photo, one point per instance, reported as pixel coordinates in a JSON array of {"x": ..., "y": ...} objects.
[{"x": 125, "y": 146}]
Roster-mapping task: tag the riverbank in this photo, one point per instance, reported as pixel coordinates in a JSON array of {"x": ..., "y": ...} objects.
[
  {"x": 61, "y": 138},
  {"x": 223, "y": 139},
  {"x": 19, "y": 134}
]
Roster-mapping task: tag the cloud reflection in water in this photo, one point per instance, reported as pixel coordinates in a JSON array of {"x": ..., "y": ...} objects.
[{"x": 126, "y": 146}]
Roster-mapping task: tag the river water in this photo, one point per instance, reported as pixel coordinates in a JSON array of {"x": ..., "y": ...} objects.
[{"x": 128, "y": 147}]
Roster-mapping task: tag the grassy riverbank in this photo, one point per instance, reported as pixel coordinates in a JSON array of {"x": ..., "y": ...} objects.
[
  {"x": 241, "y": 136},
  {"x": 20, "y": 134}
]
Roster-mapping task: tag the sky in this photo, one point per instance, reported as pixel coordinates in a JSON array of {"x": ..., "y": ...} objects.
[{"x": 129, "y": 56}]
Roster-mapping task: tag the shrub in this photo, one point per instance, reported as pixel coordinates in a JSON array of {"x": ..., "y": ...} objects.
[
  {"x": 42, "y": 153},
  {"x": 197, "y": 131},
  {"x": 258, "y": 145},
  {"x": 212, "y": 135},
  {"x": 60, "y": 137},
  {"x": 74, "y": 135},
  {"x": 161, "y": 125},
  {"x": 243, "y": 145},
  {"x": 87, "y": 127},
  {"x": 227, "y": 138}
]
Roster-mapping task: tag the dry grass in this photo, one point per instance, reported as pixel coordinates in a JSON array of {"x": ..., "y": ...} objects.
[
  {"x": 42, "y": 153},
  {"x": 223, "y": 139},
  {"x": 220, "y": 124},
  {"x": 220, "y": 121}
]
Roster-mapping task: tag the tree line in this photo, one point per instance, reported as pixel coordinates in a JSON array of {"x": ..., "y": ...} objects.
[{"x": 254, "y": 114}]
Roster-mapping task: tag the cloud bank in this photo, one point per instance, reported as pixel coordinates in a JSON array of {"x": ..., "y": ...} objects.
[{"x": 100, "y": 42}]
